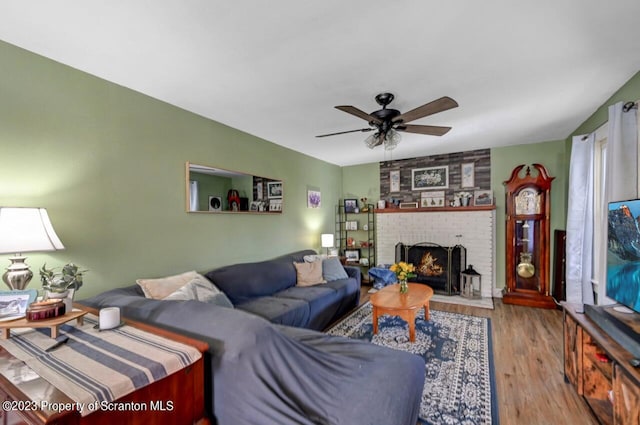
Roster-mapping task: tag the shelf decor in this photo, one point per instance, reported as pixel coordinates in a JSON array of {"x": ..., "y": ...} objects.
[{"x": 350, "y": 205}]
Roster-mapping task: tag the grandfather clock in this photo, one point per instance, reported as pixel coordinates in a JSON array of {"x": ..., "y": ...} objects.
[{"x": 528, "y": 211}]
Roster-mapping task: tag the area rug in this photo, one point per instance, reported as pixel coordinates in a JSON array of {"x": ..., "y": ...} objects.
[{"x": 457, "y": 350}]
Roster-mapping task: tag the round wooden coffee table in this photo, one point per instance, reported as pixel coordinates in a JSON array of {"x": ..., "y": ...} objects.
[{"x": 389, "y": 300}]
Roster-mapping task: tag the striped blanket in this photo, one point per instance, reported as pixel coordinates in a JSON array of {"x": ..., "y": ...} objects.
[{"x": 95, "y": 366}]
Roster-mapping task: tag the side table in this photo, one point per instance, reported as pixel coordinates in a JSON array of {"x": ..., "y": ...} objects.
[{"x": 177, "y": 398}]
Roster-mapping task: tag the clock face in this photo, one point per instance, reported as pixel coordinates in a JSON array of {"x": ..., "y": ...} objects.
[{"x": 528, "y": 201}]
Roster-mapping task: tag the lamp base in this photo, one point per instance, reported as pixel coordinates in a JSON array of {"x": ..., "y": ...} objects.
[{"x": 18, "y": 274}]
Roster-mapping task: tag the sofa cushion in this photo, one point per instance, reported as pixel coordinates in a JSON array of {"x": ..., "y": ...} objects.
[
  {"x": 324, "y": 303},
  {"x": 244, "y": 282},
  {"x": 333, "y": 270},
  {"x": 201, "y": 289},
  {"x": 160, "y": 288},
  {"x": 283, "y": 311},
  {"x": 309, "y": 274}
]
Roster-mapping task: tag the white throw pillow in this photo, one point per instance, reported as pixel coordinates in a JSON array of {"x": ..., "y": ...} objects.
[
  {"x": 159, "y": 288},
  {"x": 200, "y": 289}
]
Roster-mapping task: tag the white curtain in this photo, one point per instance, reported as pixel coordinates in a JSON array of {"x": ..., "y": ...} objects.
[
  {"x": 622, "y": 155},
  {"x": 193, "y": 195},
  {"x": 579, "y": 242}
]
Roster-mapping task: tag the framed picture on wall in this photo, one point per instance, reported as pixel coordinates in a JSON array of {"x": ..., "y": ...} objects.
[
  {"x": 394, "y": 181},
  {"x": 483, "y": 197},
  {"x": 467, "y": 172},
  {"x": 259, "y": 191},
  {"x": 430, "y": 178},
  {"x": 313, "y": 199},
  {"x": 274, "y": 190}
]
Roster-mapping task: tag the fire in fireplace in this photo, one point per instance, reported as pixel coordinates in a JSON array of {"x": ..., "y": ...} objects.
[{"x": 437, "y": 266}]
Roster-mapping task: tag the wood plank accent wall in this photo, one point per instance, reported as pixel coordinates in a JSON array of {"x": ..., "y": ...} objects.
[{"x": 482, "y": 180}]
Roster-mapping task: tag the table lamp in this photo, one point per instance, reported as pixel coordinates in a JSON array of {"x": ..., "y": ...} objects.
[
  {"x": 327, "y": 241},
  {"x": 24, "y": 230}
]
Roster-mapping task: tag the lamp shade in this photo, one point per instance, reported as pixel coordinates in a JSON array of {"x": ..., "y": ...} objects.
[
  {"x": 327, "y": 240},
  {"x": 27, "y": 230}
]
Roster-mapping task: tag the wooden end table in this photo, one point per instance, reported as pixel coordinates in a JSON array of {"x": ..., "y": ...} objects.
[
  {"x": 26, "y": 393},
  {"x": 389, "y": 300}
]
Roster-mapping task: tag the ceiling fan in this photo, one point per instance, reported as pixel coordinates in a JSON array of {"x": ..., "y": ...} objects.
[{"x": 387, "y": 122}]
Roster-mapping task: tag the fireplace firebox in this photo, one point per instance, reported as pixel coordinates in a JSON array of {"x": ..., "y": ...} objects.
[{"x": 437, "y": 266}]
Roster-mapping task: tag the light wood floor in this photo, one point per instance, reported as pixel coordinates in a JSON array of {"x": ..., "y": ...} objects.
[{"x": 527, "y": 348}]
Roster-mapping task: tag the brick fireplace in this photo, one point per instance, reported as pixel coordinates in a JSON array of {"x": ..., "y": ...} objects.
[{"x": 474, "y": 228}]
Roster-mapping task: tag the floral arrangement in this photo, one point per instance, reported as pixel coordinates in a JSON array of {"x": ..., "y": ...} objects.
[
  {"x": 69, "y": 278},
  {"x": 403, "y": 270}
]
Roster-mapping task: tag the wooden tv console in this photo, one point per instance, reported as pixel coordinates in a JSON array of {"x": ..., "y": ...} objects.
[{"x": 599, "y": 369}]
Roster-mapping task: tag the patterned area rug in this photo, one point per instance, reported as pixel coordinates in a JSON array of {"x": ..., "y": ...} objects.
[{"x": 459, "y": 385}]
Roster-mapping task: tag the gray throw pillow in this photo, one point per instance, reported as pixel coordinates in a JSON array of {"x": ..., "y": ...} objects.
[
  {"x": 333, "y": 270},
  {"x": 201, "y": 289}
]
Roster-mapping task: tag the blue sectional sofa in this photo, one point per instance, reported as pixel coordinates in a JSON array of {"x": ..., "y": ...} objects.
[
  {"x": 268, "y": 289},
  {"x": 260, "y": 372}
]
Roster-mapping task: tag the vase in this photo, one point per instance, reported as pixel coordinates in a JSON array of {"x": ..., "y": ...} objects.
[
  {"x": 65, "y": 296},
  {"x": 404, "y": 286}
]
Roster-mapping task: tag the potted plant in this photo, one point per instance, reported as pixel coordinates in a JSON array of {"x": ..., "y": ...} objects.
[{"x": 58, "y": 284}]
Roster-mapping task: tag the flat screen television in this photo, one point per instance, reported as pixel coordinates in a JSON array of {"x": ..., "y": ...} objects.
[{"x": 623, "y": 253}]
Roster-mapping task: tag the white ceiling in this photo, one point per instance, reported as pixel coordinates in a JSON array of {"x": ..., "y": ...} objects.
[{"x": 522, "y": 72}]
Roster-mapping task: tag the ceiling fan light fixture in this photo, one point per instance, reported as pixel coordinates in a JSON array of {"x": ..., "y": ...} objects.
[
  {"x": 391, "y": 140},
  {"x": 372, "y": 140}
]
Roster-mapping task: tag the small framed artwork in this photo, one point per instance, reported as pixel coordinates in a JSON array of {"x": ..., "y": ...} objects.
[
  {"x": 350, "y": 205},
  {"x": 352, "y": 255},
  {"x": 256, "y": 206},
  {"x": 351, "y": 225},
  {"x": 394, "y": 181},
  {"x": 275, "y": 205},
  {"x": 430, "y": 178},
  {"x": 483, "y": 197},
  {"x": 432, "y": 199},
  {"x": 14, "y": 303},
  {"x": 274, "y": 190},
  {"x": 313, "y": 199},
  {"x": 467, "y": 171},
  {"x": 215, "y": 203},
  {"x": 405, "y": 205}
]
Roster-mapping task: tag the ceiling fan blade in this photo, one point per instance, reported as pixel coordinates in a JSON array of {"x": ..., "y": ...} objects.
[
  {"x": 364, "y": 130},
  {"x": 359, "y": 113},
  {"x": 439, "y": 105},
  {"x": 432, "y": 130}
]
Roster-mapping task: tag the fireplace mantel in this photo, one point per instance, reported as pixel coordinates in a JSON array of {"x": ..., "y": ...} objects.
[{"x": 434, "y": 209}]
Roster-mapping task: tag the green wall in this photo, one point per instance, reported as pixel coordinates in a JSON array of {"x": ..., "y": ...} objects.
[
  {"x": 108, "y": 163},
  {"x": 362, "y": 181}
]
